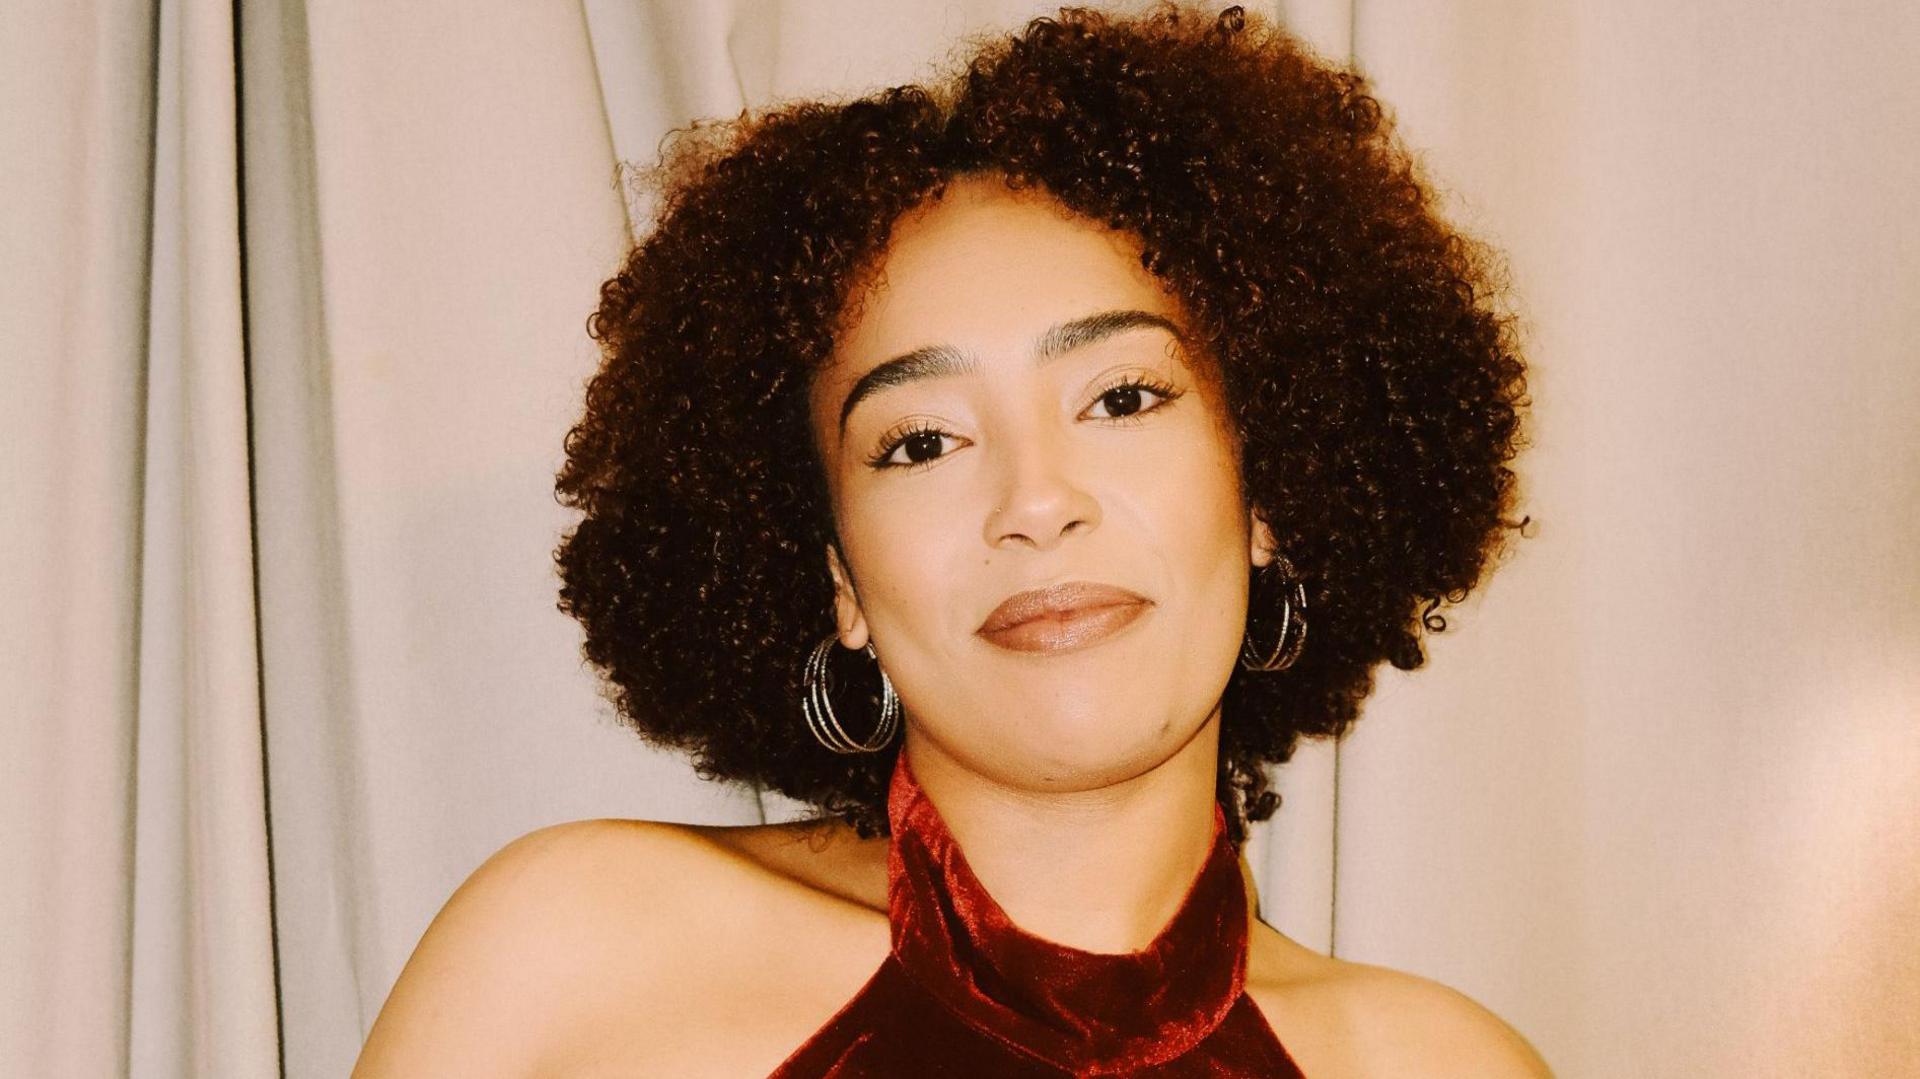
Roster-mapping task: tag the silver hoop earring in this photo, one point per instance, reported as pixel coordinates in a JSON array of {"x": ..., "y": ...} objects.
[
  {"x": 1293, "y": 611},
  {"x": 814, "y": 703}
]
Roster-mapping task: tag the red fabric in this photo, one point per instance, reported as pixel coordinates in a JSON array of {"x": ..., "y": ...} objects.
[{"x": 965, "y": 992}]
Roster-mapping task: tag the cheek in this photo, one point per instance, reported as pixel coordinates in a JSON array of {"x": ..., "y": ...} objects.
[
  {"x": 903, "y": 541},
  {"x": 1188, "y": 494},
  {"x": 1199, "y": 529}
]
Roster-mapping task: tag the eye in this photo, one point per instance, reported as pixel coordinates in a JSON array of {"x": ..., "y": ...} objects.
[
  {"x": 1124, "y": 397},
  {"x": 920, "y": 441}
]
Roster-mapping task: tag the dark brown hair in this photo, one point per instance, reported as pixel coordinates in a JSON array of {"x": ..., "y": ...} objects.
[{"x": 1376, "y": 389}]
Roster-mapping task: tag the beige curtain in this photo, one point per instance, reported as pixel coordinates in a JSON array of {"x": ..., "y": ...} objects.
[{"x": 292, "y": 302}]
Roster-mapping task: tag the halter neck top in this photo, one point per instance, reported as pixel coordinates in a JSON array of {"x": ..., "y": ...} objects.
[{"x": 965, "y": 992}]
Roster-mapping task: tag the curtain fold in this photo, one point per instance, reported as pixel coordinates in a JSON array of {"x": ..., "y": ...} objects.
[
  {"x": 76, "y": 166},
  {"x": 202, "y": 979},
  {"x": 139, "y": 807},
  {"x": 316, "y": 774}
]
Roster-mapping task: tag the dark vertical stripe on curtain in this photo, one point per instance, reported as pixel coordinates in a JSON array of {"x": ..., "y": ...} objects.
[{"x": 253, "y": 506}]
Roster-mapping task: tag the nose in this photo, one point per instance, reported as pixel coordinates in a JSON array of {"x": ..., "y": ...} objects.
[{"x": 1041, "y": 497}]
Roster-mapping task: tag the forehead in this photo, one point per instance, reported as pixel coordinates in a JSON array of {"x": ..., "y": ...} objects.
[{"x": 987, "y": 268}]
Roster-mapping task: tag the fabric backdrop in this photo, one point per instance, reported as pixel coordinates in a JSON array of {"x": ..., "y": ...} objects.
[{"x": 292, "y": 322}]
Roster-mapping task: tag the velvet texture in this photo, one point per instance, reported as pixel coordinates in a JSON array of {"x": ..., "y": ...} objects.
[{"x": 965, "y": 992}]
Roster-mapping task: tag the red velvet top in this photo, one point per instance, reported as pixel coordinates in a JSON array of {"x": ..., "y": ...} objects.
[{"x": 965, "y": 992}]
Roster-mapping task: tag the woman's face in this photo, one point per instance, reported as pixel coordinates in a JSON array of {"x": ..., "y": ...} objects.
[{"x": 1022, "y": 457}]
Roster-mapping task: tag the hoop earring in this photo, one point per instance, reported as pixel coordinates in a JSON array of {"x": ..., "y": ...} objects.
[
  {"x": 818, "y": 709},
  {"x": 1292, "y": 610}
]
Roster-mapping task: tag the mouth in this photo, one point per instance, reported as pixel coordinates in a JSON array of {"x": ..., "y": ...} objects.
[{"x": 1062, "y": 618}]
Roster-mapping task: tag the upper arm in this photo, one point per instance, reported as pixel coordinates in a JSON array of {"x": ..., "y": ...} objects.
[
  {"x": 1414, "y": 1026},
  {"x": 492, "y": 977}
]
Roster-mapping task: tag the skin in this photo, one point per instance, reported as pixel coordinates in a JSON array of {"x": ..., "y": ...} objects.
[{"x": 1079, "y": 785}]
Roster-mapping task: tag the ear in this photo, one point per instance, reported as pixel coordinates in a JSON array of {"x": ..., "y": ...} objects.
[
  {"x": 1261, "y": 545},
  {"x": 846, "y": 603}
]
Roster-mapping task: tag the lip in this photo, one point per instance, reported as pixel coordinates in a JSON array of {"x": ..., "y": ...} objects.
[{"x": 1062, "y": 617}]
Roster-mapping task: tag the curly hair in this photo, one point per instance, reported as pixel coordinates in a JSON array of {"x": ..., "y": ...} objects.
[{"x": 1375, "y": 388}]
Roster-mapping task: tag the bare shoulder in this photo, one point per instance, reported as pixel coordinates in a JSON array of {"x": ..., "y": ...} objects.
[
  {"x": 485, "y": 986},
  {"x": 1416, "y": 1026},
  {"x": 582, "y": 946},
  {"x": 1342, "y": 1018},
  {"x": 821, "y": 856}
]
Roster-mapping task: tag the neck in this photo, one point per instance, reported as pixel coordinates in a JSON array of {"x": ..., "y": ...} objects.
[{"x": 1101, "y": 868}]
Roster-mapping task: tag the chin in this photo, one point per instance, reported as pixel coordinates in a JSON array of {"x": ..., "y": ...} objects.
[{"x": 1086, "y": 750}]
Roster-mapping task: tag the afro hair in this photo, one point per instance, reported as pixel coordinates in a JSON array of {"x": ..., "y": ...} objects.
[{"x": 1376, "y": 387}]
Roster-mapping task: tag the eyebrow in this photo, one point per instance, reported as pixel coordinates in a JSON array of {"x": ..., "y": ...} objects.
[{"x": 935, "y": 361}]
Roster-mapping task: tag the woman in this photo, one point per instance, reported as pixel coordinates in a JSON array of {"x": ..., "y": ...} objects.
[{"x": 969, "y": 462}]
